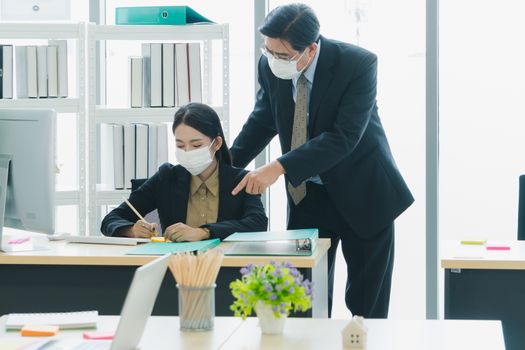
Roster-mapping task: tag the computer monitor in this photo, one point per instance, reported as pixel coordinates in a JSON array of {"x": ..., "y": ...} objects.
[{"x": 27, "y": 170}]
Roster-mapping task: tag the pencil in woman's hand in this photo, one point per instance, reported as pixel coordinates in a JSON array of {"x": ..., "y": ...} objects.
[{"x": 155, "y": 233}]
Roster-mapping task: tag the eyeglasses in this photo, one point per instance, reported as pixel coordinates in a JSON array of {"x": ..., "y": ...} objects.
[{"x": 278, "y": 56}]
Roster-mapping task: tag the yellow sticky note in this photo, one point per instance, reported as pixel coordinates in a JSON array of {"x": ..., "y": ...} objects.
[
  {"x": 38, "y": 331},
  {"x": 478, "y": 242}
]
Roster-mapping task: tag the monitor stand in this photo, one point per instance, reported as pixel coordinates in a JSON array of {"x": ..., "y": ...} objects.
[{"x": 11, "y": 243}]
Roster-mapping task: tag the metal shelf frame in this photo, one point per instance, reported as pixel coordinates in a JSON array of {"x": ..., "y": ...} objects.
[{"x": 206, "y": 34}]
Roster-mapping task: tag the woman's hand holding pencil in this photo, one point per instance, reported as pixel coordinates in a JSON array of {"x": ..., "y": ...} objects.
[{"x": 141, "y": 228}]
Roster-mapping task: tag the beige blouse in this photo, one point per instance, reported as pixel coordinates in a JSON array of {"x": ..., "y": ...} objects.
[{"x": 203, "y": 203}]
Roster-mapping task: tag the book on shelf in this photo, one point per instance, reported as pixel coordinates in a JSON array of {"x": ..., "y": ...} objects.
[
  {"x": 162, "y": 141},
  {"x": 136, "y": 81},
  {"x": 52, "y": 71},
  {"x": 194, "y": 72},
  {"x": 106, "y": 155},
  {"x": 118, "y": 155},
  {"x": 6, "y": 71},
  {"x": 153, "y": 147},
  {"x": 41, "y": 56},
  {"x": 168, "y": 75},
  {"x": 61, "y": 66},
  {"x": 152, "y": 55},
  {"x": 158, "y": 15},
  {"x": 129, "y": 154},
  {"x": 26, "y": 72},
  {"x": 141, "y": 151},
  {"x": 64, "y": 320},
  {"x": 181, "y": 67},
  {"x": 289, "y": 242}
]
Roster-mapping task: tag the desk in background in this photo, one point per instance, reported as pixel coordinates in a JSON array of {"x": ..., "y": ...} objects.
[
  {"x": 489, "y": 285},
  {"x": 301, "y": 333},
  {"x": 97, "y": 277},
  {"x": 161, "y": 333},
  {"x": 308, "y": 334}
]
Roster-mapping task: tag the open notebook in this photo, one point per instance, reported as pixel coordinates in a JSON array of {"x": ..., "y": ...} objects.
[{"x": 65, "y": 320}]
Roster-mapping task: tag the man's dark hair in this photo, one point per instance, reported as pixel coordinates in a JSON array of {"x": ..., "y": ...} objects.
[{"x": 295, "y": 23}]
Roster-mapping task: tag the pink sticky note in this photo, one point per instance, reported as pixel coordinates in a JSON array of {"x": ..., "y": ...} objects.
[
  {"x": 498, "y": 247},
  {"x": 19, "y": 240},
  {"x": 98, "y": 335}
]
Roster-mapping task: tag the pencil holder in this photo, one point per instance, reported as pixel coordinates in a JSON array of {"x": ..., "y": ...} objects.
[{"x": 196, "y": 307}]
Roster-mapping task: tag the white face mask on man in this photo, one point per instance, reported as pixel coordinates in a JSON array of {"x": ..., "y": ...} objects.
[
  {"x": 284, "y": 69},
  {"x": 195, "y": 161}
]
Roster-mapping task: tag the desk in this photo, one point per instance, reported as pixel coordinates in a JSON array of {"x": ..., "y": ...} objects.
[
  {"x": 306, "y": 334},
  {"x": 97, "y": 277},
  {"x": 233, "y": 334},
  {"x": 481, "y": 284},
  {"x": 161, "y": 333}
]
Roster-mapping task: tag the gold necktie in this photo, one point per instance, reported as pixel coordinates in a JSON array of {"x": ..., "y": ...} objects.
[{"x": 299, "y": 133}]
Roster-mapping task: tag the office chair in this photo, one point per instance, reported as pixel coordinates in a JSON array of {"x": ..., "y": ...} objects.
[
  {"x": 151, "y": 217},
  {"x": 521, "y": 209}
]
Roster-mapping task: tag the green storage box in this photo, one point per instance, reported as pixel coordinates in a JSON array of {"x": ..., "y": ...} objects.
[{"x": 158, "y": 15}]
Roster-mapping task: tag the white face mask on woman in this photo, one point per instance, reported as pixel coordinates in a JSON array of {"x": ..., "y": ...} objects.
[{"x": 195, "y": 161}]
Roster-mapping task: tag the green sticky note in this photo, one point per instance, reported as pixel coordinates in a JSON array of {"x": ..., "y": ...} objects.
[{"x": 159, "y": 248}]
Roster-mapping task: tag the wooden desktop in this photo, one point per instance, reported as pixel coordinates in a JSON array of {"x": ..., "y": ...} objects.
[{"x": 73, "y": 276}]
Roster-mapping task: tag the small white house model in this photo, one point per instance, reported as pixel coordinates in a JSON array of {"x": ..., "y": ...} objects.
[{"x": 354, "y": 333}]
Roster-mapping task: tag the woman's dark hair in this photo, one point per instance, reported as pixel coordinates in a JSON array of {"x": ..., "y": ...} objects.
[
  {"x": 205, "y": 120},
  {"x": 295, "y": 23}
]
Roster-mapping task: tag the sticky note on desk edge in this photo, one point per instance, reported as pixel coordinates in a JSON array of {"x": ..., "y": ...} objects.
[
  {"x": 474, "y": 241},
  {"x": 38, "y": 331},
  {"x": 98, "y": 335},
  {"x": 498, "y": 247}
]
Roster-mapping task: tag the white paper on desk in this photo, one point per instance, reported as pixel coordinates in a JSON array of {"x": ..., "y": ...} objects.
[
  {"x": 65, "y": 320},
  {"x": 20, "y": 343},
  {"x": 469, "y": 251}
]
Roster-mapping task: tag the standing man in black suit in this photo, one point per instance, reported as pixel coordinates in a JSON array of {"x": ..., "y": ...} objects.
[{"x": 319, "y": 96}]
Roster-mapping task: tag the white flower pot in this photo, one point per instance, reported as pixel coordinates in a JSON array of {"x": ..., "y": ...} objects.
[{"x": 267, "y": 320}]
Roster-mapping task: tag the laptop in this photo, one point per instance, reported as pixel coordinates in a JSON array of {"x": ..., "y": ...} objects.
[{"x": 136, "y": 310}]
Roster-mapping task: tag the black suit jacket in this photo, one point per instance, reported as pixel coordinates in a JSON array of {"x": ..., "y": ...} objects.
[
  {"x": 168, "y": 192},
  {"x": 347, "y": 145}
]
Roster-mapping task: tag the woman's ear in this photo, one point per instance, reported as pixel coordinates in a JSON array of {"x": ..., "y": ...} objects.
[{"x": 218, "y": 143}]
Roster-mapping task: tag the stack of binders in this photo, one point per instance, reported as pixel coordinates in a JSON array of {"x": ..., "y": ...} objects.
[{"x": 168, "y": 73}]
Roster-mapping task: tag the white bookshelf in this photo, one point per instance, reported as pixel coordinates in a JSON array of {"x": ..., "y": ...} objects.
[
  {"x": 76, "y": 106},
  {"x": 61, "y": 105},
  {"x": 138, "y": 115},
  {"x": 205, "y": 34}
]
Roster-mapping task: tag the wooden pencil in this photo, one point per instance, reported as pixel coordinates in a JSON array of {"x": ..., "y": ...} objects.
[{"x": 196, "y": 274}]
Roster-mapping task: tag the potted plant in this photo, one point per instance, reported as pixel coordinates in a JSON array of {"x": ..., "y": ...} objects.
[{"x": 272, "y": 290}]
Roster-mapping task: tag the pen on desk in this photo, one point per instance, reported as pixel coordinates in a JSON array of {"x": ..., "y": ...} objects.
[{"x": 136, "y": 212}]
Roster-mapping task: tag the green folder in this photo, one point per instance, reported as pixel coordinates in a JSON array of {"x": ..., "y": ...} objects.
[
  {"x": 154, "y": 15},
  {"x": 285, "y": 243},
  {"x": 159, "y": 248}
]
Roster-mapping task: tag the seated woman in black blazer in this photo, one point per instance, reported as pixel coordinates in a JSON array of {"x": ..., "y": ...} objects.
[{"x": 193, "y": 199}]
